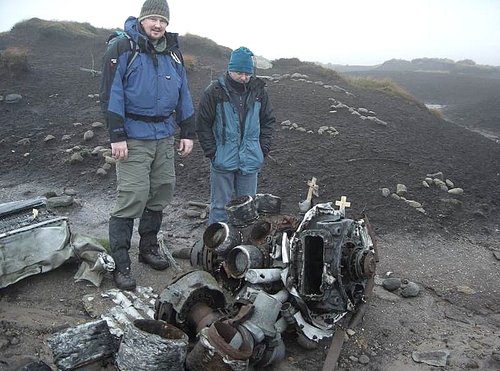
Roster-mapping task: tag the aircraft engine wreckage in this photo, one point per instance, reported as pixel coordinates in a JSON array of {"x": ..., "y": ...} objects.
[{"x": 264, "y": 273}]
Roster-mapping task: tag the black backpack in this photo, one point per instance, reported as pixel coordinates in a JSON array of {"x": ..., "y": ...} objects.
[{"x": 118, "y": 35}]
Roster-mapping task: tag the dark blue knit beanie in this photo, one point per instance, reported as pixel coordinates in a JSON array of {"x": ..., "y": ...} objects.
[{"x": 241, "y": 61}]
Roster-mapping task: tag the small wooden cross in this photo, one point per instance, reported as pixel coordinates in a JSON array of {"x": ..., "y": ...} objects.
[{"x": 342, "y": 204}]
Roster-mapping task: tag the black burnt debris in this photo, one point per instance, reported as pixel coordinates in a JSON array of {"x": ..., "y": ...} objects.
[{"x": 264, "y": 274}]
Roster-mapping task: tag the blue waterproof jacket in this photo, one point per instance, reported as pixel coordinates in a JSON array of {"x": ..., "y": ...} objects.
[
  {"x": 148, "y": 98},
  {"x": 230, "y": 144}
]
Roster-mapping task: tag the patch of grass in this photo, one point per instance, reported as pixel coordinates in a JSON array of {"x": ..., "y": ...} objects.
[
  {"x": 14, "y": 60},
  {"x": 52, "y": 28},
  {"x": 385, "y": 85},
  {"x": 104, "y": 243}
]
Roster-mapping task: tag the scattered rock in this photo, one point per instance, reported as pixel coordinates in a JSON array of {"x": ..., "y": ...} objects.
[
  {"x": 434, "y": 358},
  {"x": 410, "y": 290},
  {"x": 60, "y": 201},
  {"x": 395, "y": 196},
  {"x": 466, "y": 290},
  {"x": 76, "y": 158},
  {"x": 105, "y": 152},
  {"x": 66, "y": 137},
  {"x": 350, "y": 332},
  {"x": 97, "y": 125},
  {"x": 110, "y": 160},
  {"x": 13, "y": 98},
  {"x": 438, "y": 182},
  {"x": 385, "y": 295},
  {"x": 49, "y": 138},
  {"x": 401, "y": 189},
  {"x": 449, "y": 183},
  {"x": 363, "y": 359},
  {"x": 88, "y": 135},
  {"x": 391, "y": 284},
  {"x": 96, "y": 150},
  {"x": 23, "y": 142},
  {"x": 101, "y": 172},
  {"x": 414, "y": 204},
  {"x": 425, "y": 184},
  {"x": 70, "y": 192},
  {"x": 386, "y": 192},
  {"x": 456, "y": 191}
]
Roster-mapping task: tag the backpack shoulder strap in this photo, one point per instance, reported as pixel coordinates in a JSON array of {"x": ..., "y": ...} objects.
[{"x": 134, "y": 48}]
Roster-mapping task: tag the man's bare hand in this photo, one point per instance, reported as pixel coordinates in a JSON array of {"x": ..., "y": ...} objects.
[
  {"x": 185, "y": 147},
  {"x": 119, "y": 150}
]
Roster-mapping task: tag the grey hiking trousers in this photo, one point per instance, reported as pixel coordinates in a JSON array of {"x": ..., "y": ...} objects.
[{"x": 146, "y": 179}]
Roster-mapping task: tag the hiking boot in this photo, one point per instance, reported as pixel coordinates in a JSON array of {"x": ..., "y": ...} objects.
[
  {"x": 120, "y": 234},
  {"x": 123, "y": 279},
  {"x": 149, "y": 249},
  {"x": 154, "y": 260}
]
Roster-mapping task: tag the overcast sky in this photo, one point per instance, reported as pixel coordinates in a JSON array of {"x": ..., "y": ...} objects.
[{"x": 364, "y": 32}]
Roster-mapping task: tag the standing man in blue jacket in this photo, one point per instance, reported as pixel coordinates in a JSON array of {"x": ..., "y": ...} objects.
[
  {"x": 145, "y": 96},
  {"x": 235, "y": 125}
]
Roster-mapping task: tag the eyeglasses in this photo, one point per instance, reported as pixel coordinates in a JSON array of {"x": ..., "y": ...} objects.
[{"x": 162, "y": 21}]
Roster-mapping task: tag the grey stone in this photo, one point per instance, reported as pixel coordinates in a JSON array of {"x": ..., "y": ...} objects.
[
  {"x": 456, "y": 191},
  {"x": 391, "y": 284},
  {"x": 13, "y": 98},
  {"x": 410, "y": 290},
  {"x": 110, "y": 160},
  {"x": 97, "y": 150},
  {"x": 496, "y": 254},
  {"x": 97, "y": 125},
  {"x": 449, "y": 183},
  {"x": 363, "y": 359},
  {"x": 401, "y": 189},
  {"x": 433, "y": 358},
  {"x": 49, "y": 137},
  {"x": 101, "y": 172},
  {"x": 385, "y": 295},
  {"x": 386, "y": 192},
  {"x": 60, "y": 201},
  {"x": 414, "y": 204},
  {"x": 438, "y": 182},
  {"x": 88, "y": 135},
  {"x": 23, "y": 142},
  {"x": 70, "y": 192},
  {"x": 76, "y": 158}
]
